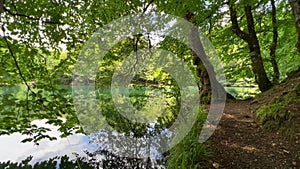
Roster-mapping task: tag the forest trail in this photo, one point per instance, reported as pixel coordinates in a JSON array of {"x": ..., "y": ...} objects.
[{"x": 240, "y": 143}]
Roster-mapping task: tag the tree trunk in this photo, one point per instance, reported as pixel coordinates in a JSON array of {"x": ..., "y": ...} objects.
[
  {"x": 205, "y": 86},
  {"x": 257, "y": 63},
  {"x": 258, "y": 69},
  {"x": 295, "y": 4},
  {"x": 276, "y": 73},
  {"x": 205, "y": 71},
  {"x": 1, "y": 6}
]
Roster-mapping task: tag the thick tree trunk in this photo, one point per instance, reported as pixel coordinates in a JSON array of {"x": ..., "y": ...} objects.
[
  {"x": 205, "y": 86},
  {"x": 258, "y": 69},
  {"x": 205, "y": 71},
  {"x": 295, "y": 4}
]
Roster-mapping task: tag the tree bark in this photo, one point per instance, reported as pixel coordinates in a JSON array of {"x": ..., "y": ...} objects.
[
  {"x": 276, "y": 73},
  {"x": 204, "y": 68},
  {"x": 205, "y": 71},
  {"x": 1, "y": 6},
  {"x": 258, "y": 69},
  {"x": 295, "y": 4}
]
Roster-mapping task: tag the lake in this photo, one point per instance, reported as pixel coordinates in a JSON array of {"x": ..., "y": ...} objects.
[{"x": 79, "y": 150}]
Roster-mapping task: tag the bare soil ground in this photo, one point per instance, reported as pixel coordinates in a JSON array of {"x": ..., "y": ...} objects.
[{"x": 239, "y": 142}]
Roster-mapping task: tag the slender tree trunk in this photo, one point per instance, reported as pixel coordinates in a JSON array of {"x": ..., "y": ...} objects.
[
  {"x": 254, "y": 47},
  {"x": 258, "y": 69},
  {"x": 1, "y": 6},
  {"x": 276, "y": 73},
  {"x": 295, "y": 4}
]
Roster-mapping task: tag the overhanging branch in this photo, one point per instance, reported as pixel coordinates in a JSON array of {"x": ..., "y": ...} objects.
[
  {"x": 16, "y": 62},
  {"x": 235, "y": 25},
  {"x": 29, "y": 17},
  {"x": 147, "y": 6}
]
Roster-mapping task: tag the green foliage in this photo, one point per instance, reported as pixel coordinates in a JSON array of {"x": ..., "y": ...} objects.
[
  {"x": 235, "y": 53},
  {"x": 20, "y": 108},
  {"x": 89, "y": 161},
  {"x": 288, "y": 58},
  {"x": 243, "y": 93},
  {"x": 235, "y": 56},
  {"x": 34, "y": 67},
  {"x": 189, "y": 153},
  {"x": 60, "y": 162}
]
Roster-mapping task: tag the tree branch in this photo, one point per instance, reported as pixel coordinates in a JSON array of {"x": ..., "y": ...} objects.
[
  {"x": 30, "y": 17},
  {"x": 147, "y": 6},
  {"x": 16, "y": 62},
  {"x": 235, "y": 25},
  {"x": 250, "y": 20}
]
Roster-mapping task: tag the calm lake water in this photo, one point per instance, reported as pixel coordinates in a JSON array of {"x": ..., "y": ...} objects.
[
  {"x": 74, "y": 146},
  {"x": 13, "y": 150}
]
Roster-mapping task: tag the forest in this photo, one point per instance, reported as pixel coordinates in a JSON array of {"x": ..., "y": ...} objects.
[{"x": 149, "y": 84}]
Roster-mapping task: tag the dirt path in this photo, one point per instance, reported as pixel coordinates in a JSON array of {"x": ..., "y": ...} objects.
[{"x": 240, "y": 143}]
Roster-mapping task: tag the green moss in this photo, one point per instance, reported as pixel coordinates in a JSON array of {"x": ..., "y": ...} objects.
[
  {"x": 277, "y": 115},
  {"x": 297, "y": 89},
  {"x": 290, "y": 98},
  {"x": 271, "y": 116}
]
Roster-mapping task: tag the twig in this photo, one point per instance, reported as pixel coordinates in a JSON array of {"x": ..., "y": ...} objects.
[
  {"x": 30, "y": 17},
  {"x": 147, "y": 6},
  {"x": 150, "y": 45},
  {"x": 16, "y": 62},
  {"x": 27, "y": 102}
]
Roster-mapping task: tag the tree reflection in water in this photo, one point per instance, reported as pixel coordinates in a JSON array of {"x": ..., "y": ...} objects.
[{"x": 102, "y": 157}]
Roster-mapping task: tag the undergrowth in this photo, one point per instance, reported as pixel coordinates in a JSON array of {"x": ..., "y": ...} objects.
[
  {"x": 189, "y": 153},
  {"x": 278, "y": 115}
]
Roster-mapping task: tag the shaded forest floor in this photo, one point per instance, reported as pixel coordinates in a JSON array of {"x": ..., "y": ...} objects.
[{"x": 241, "y": 142}]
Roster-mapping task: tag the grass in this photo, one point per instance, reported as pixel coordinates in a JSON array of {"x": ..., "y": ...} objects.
[{"x": 189, "y": 153}]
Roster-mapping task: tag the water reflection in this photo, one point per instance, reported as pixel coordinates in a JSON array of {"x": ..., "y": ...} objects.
[
  {"x": 75, "y": 150},
  {"x": 12, "y": 149}
]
